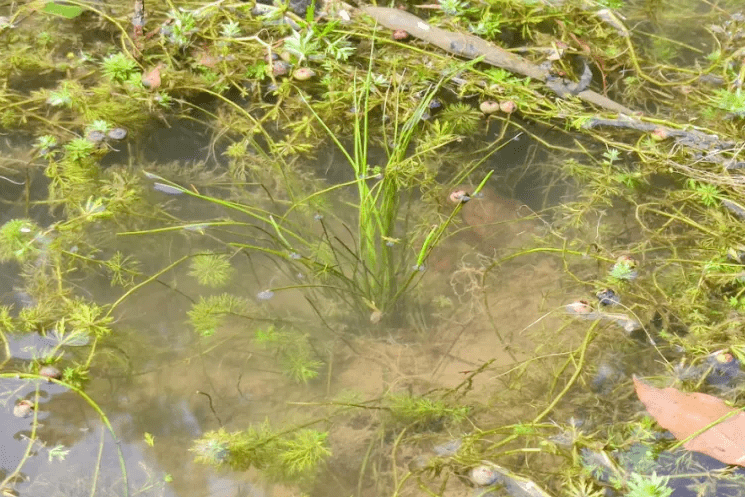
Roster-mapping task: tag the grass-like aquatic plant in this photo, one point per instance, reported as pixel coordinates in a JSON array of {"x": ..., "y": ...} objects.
[{"x": 373, "y": 271}]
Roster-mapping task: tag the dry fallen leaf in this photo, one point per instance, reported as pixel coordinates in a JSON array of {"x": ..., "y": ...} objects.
[{"x": 687, "y": 413}]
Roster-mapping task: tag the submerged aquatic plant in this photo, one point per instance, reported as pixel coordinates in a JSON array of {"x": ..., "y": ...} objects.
[
  {"x": 18, "y": 240},
  {"x": 293, "y": 352},
  {"x": 648, "y": 486},
  {"x": 119, "y": 68},
  {"x": 213, "y": 270},
  {"x": 208, "y": 313},
  {"x": 416, "y": 410},
  {"x": 288, "y": 456}
]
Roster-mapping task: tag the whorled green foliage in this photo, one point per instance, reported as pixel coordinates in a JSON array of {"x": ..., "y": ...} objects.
[
  {"x": 119, "y": 67},
  {"x": 207, "y": 314},
  {"x": 212, "y": 270},
  {"x": 648, "y": 486},
  {"x": 292, "y": 350},
  {"x": 422, "y": 411},
  {"x": 19, "y": 240},
  {"x": 287, "y": 456},
  {"x": 88, "y": 318}
]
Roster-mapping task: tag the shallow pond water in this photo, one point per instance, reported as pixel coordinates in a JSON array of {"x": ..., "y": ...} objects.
[{"x": 155, "y": 377}]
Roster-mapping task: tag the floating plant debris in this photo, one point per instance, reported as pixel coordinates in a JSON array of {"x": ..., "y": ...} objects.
[
  {"x": 167, "y": 189},
  {"x": 265, "y": 295},
  {"x": 705, "y": 423},
  {"x": 734, "y": 208}
]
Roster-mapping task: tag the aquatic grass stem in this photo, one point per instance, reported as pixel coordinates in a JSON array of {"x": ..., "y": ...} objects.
[
  {"x": 378, "y": 204},
  {"x": 147, "y": 281},
  {"x": 258, "y": 214},
  {"x": 97, "y": 471}
]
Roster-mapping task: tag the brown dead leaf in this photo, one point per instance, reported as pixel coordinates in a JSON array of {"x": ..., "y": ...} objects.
[{"x": 687, "y": 413}]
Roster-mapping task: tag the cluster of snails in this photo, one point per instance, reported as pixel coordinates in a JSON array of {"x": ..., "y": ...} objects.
[
  {"x": 490, "y": 106},
  {"x": 24, "y": 407},
  {"x": 97, "y": 136},
  {"x": 280, "y": 66}
]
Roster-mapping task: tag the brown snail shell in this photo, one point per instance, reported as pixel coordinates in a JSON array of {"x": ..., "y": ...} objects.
[
  {"x": 489, "y": 107},
  {"x": 483, "y": 476},
  {"x": 303, "y": 73},
  {"x": 507, "y": 106},
  {"x": 400, "y": 35},
  {"x": 50, "y": 372},
  {"x": 580, "y": 308},
  {"x": 23, "y": 409},
  {"x": 459, "y": 196},
  {"x": 151, "y": 79},
  {"x": 280, "y": 68},
  {"x": 95, "y": 136},
  {"x": 117, "y": 134}
]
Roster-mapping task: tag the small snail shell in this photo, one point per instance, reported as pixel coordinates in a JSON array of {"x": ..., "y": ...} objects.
[
  {"x": 580, "y": 308},
  {"x": 303, "y": 73},
  {"x": 489, "y": 107},
  {"x": 400, "y": 35},
  {"x": 483, "y": 476},
  {"x": 280, "y": 68},
  {"x": 50, "y": 372},
  {"x": 151, "y": 79},
  {"x": 117, "y": 134},
  {"x": 659, "y": 134},
  {"x": 507, "y": 106},
  {"x": 459, "y": 196},
  {"x": 23, "y": 409},
  {"x": 95, "y": 136}
]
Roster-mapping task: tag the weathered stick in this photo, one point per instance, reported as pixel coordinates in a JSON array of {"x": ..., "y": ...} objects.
[{"x": 470, "y": 46}]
